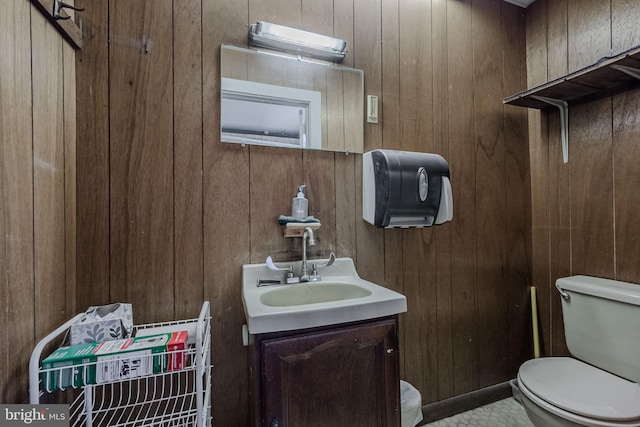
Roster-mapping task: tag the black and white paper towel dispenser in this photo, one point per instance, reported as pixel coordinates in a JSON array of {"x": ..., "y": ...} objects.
[{"x": 405, "y": 189}]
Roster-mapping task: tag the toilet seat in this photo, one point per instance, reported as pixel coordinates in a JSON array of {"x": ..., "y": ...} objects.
[{"x": 580, "y": 392}]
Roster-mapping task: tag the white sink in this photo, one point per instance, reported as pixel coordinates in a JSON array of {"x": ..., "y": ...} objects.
[{"x": 341, "y": 296}]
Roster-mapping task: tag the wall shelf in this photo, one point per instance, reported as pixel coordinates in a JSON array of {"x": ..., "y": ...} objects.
[
  {"x": 296, "y": 229},
  {"x": 607, "y": 76},
  {"x": 63, "y": 23}
]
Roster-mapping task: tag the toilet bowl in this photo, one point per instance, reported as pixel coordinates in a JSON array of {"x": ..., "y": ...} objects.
[
  {"x": 561, "y": 391},
  {"x": 602, "y": 319}
]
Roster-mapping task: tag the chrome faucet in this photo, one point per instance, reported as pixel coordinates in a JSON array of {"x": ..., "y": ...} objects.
[{"x": 308, "y": 233}]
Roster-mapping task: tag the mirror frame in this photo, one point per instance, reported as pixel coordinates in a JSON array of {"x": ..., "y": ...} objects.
[{"x": 341, "y": 91}]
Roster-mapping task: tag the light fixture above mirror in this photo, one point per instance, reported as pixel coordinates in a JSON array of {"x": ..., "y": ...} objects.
[{"x": 299, "y": 42}]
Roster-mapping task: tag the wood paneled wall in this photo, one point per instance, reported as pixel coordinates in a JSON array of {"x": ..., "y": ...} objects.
[
  {"x": 37, "y": 189},
  {"x": 167, "y": 214},
  {"x": 584, "y": 212}
]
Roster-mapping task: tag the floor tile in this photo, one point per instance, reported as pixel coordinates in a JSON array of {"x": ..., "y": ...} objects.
[{"x": 503, "y": 413}]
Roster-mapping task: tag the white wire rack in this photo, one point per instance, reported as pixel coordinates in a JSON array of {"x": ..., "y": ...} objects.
[{"x": 176, "y": 398}]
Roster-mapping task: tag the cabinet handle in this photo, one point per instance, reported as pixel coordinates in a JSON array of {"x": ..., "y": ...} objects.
[
  {"x": 275, "y": 423},
  {"x": 389, "y": 350}
]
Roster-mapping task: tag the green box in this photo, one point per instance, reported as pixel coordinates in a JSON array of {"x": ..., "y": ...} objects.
[
  {"x": 109, "y": 361},
  {"x": 74, "y": 367}
]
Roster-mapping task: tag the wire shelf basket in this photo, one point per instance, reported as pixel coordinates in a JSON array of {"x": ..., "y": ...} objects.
[{"x": 168, "y": 388}]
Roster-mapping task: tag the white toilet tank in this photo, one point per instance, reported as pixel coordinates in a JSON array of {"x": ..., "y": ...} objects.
[{"x": 602, "y": 323}]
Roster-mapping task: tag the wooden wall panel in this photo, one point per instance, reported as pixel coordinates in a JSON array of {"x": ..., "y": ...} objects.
[
  {"x": 48, "y": 177},
  {"x": 623, "y": 21},
  {"x": 367, "y": 57},
  {"x": 490, "y": 209},
  {"x": 37, "y": 189},
  {"x": 216, "y": 208},
  {"x": 92, "y": 86},
  {"x": 389, "y": 114},
  {"x": 592, "y": 193},
  {"x": 589, "y": 199},
  {"x": 518, "y": 193},
  {"x": 416, "y": 130},
  {"x": 539, "y": 157},
  {"x": 559, "y": 175},
  {"x": 462, "y": 164},
  {"x": 589, "y": 23},
  {"x": 141, "y": 157},
  {"x": 442, "y": 235},
  {"x": 226, "y": 220},
  {"x": 187, "y": 149},
  {"x": 70, "y": 175},
  {"x": 590, "y": 130},
  {"x": 16, "y": 208},
  {"x": 626, "y": 177}
]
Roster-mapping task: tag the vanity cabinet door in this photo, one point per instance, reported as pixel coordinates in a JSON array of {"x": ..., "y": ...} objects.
[{"x": 344, "y": 377}]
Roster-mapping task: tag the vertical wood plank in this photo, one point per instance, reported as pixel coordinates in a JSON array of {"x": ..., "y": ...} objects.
[
  {"x": 462, "y": 164},
  {"x": 626, "y": 178},
  {"x": 319, "y": 176},
  {"x": 346, "y": 210},
  {"x": 343, "y": 20},
  {"x": 48, "y": 176},
  {"x": 141, "y": 135},
  {"x": 416, "y": 134},
  {"x": 590, "y": 124},
  {"x": 226, "y": 220},
  {"x": 589, "y": 24},
  {"x": 92, "y": 156},
  {"x": 518, "y": 193},
  {"x": 442, "y": 234},
  {"x": 389, "y": 116},
  {"x": 416, "y": 87},
  {"x": 283, "y": 12},
  {"x": 187, "y": 124},
  {"x": 536, "y": 19},
  {"x": 271, "y": 192},
  {"x": 16, "y": 208},
  {"x": 623, "y": 18},
  {"x": 559, "y": 178},
  {"x": 592, "y": 223},
  {"x": 345, "y": 167},
  {"x": 490, "y": 191},
  {"x": 317, "y": 16},
  {"x": 367, "y": 57},
  {"x": 70, "y": 175}
]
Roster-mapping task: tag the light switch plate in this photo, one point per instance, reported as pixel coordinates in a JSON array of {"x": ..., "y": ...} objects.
[{"x": 372, "y": 109}]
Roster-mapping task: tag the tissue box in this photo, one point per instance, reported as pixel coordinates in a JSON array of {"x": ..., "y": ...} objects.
[
  {"x": 102, "y": 323},
  {"x": 95, "y": 363}
]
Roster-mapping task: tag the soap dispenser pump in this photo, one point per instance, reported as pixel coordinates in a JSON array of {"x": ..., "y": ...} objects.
[{"x": 299, "y": 205}]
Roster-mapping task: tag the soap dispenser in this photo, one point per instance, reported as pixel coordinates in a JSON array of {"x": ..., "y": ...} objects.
[{"x": 299, "y": 205}]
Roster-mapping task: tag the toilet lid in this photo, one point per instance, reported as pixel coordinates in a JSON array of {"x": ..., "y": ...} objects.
[{"x": 582, "y": 389}]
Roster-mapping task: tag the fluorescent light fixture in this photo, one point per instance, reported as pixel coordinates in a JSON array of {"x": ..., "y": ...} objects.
[
  {"x": 300, "y": 42},
  {"x": 521, "y": 3}
]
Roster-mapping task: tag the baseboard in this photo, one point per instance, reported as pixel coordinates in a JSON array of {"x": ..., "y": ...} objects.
[{"x": 464, "y": 402}]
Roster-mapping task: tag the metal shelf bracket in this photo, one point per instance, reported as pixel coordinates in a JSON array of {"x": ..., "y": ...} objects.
[
  {"x": 563, "y": 107},
  {"x": 633, "y": 72}
]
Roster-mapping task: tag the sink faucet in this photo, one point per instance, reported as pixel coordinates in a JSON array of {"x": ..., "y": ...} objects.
[{"x": 308, "y": 233}]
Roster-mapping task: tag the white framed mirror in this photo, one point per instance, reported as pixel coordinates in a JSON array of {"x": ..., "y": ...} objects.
[{"x": 283, "y": 101}]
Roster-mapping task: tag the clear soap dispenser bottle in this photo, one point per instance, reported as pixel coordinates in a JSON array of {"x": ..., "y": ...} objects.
[{"x": 299, "y": 205}]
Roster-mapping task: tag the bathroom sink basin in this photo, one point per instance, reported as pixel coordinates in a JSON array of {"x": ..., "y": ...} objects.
[
  {"x": 340, "y": 297},
  {"x": 312, "y": 293}
]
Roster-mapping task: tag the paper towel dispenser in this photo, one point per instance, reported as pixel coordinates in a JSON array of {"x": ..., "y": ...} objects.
[{"x": 405, "y": 189}]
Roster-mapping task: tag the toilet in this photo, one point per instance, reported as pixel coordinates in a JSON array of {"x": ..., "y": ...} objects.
[{"x": 598, "y": 386}]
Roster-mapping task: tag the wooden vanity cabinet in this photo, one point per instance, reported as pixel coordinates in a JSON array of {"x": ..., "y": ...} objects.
[{"x": 340, "y": 376}]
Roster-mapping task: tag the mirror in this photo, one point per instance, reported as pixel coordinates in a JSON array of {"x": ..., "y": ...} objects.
[{"x": 282, "y": 101}]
